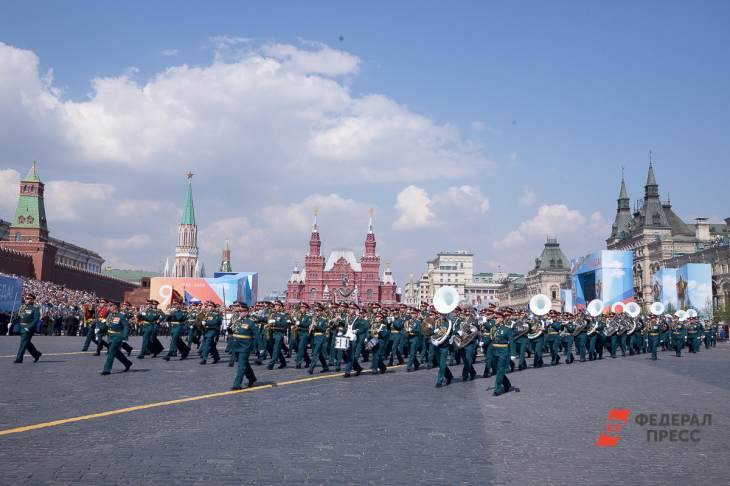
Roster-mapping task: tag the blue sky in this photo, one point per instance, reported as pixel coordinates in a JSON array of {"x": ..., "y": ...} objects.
[{"x": 539, "y": 104}]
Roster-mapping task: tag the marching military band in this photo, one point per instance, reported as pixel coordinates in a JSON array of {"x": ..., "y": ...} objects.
[{"x": 341, "y": 335}]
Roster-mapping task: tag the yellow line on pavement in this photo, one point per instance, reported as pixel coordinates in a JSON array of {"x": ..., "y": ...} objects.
[
  {"x": 53, "y": 354},
  {"x": 56, "y": 423}
]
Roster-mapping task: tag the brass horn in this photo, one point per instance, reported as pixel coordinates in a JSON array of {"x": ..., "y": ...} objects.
[
  {"x": 540, "y": 304},
  {"x": 595, "y": 307}
]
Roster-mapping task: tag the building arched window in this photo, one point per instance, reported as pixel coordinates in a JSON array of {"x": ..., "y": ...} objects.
[
  {"x": 21, "y": 219},
  {"x": 30, "y": 219},
  {"x": 554, "y": 291},
  {"x": 370, "y": 295},
  {"x": 656, "y": 219},
  {"x": 313, "y": 294}
]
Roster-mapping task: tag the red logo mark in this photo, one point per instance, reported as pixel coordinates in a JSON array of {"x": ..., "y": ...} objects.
[{"x": 616, "y": 417}]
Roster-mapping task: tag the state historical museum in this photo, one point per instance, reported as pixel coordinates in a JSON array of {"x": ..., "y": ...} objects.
[{"x": 342, "y": 278}]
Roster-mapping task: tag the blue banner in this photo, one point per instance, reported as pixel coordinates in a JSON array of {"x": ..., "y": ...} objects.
[{"x": 11, "y": 293}]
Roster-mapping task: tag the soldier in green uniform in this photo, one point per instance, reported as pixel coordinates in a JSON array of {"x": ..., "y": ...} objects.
[
  {"x": 212, "y": 320},
  {"x": 502, "y": 343},
  {"x": 554, "y": 326},
  {"x": 148, "y": 319},
  {"x": 338, "y": 328},
  {"x": 469, "y": 351},
  {"x": 378, "y": 352},
  {"x": 654, "y": 330},
  {"x": 89, "y": 314},
  {"x": 425, "y": 343},
  {"x": 29, "y": 316},
  {"x": 362, "y": 326},
  {"x": 101, "y": 329},
  {"x": 594, "y": 325},
  {"x": 521, "y": 341},
  {"x": 318, "y": 330},
  {"x": 456, "y": 322},
  {"x": 537, "y": 343},
  {"x": 567, "y": 337},
  {"x": 665, "y": 336},
  {"x": 395, "y": 344},
  {"x": 243, "y": 334},
  {"x": 487, "y": 323},
  {"x": 413, "y": 335},
  {"x": 711, "y": 333},
  {"x": 693, "y": 336},
  {"x": 582, "y": 338},
  {"x": 301, "y": 324},
  {"x": 177, "y": 319},
  {"x": 279, "y": 321},
  {"x": 679, "y": 336},
  {"x": 193, "y": 333},
  {"x": 118, "y": 330},
  {"x": 441, "y": 328}
]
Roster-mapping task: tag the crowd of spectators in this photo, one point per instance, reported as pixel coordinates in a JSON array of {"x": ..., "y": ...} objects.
[{"x": 60, "y": 307}]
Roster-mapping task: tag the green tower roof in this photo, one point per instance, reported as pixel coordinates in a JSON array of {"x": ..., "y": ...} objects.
[
  {"x": 189, "y": 211},
  {"x": 32, "y": 175},
  {"x": 31, "y": 211}
]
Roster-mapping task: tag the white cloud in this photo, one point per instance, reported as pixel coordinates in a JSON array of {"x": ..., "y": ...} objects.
[
  {"x": 9, "y": 179},
  {"x": 272, "y": 111},
  {"x": 464, "y": 202},
  {"x": 74, "y": 200},
  {"x": 169, "y": 52},
  {"x": 576, "y": 233},
  {"x": 551, "y": 220},
  {"x": 414, "y": 207},
  {"x": 457, "y": 203}
]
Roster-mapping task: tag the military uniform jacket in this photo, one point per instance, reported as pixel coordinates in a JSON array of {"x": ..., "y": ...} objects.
[
  {"x": 149, "y": 317},
  {"x": 679, "y": 331},
  {"x": 554, "y": 327},
  {"x": 212, "y": 321},
  {"x": 279, "y": 321},
  {"x": 502, "y": 335},
  {"x": 177, "y": 317},
  {"x": 304, "y": 323},
  {"x": 654, "y": 328},
  {"x": 361, "y": 326},
  {"x": 570, "y": 327},
  {"x": 487, "y": 331},
  {"x": 243, "y": 331},
  {"x": 397, "y": 326},
  {"x": 117, "y": 325},
  {"x": 415, "y": 327},
  {"x": 29, "y": 315},
  {"x": 321, "y": 325}
]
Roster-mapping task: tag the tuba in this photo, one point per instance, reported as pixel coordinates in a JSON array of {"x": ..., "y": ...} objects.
[
  {"x": 427, "y": 327},
  {"x": 657, "y": 308},
  {"x": 612, "y": 326},
  {"x": 633, "y": 309},
  {"x": 540, "y": 304},
  {"x": 440, "y": 335},
  {"x": 593, "y": 327},
  {"x": 536, "y": 329},
  {"x": 595, "y": 307},
  {"x": 446, "y": 299},
  {"x": 468, "y": 332},
  {"x": 580, "y": 325},
  {"x": 520, "y": 328}
]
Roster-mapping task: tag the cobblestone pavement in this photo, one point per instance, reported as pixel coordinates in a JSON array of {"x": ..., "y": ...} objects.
[{"x": 385, "y": 429}]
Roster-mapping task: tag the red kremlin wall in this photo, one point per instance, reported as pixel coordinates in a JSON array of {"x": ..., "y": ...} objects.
[{"x": 37, "y": 260}]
